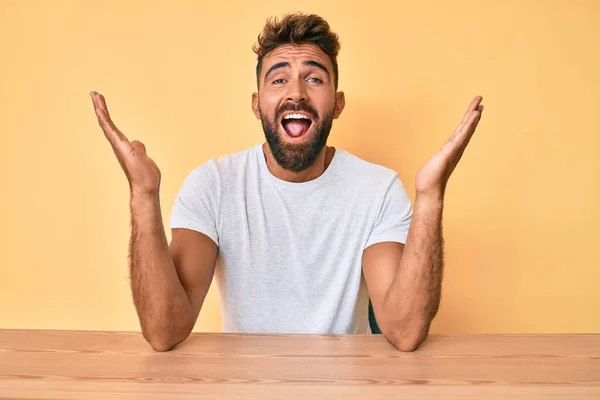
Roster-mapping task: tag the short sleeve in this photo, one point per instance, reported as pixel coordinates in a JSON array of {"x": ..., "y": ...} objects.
[
  {"x": 394, "y": 217},
  {"x": 196, "y": 205}
]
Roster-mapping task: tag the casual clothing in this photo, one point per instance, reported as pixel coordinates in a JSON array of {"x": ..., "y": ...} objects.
[{"x": 290, "y": 254}]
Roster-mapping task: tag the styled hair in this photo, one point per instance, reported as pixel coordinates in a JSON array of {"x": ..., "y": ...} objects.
[{"x": 297, "y": 28}]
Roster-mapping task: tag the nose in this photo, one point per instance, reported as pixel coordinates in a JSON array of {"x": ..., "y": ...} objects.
[{"x": 297, "y": 91}]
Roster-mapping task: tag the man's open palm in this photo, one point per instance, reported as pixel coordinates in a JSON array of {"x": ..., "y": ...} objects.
[
  {"x": 141, "y": 171},
  {"x": 434, "y": 175}
]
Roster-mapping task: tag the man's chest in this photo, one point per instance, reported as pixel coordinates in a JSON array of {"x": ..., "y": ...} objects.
[{"x": 302, "y": 228}]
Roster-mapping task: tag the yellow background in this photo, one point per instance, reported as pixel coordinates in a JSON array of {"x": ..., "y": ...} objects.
[{"x": 523, "y": 207}]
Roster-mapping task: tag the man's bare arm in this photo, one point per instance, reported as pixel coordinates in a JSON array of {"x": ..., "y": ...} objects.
[
  {"x": 169, "y": 283},
  {"x": 405, "y": 281},
  {"x": 412, "y": 299}
]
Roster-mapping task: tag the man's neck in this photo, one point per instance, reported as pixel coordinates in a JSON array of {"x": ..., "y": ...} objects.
[{"x": 314, "y": 171}]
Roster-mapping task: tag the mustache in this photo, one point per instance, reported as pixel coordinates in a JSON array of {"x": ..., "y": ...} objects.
[{"x": 301, "y": 107}]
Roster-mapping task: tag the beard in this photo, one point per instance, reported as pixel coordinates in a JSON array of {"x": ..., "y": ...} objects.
[{"x": 297, "y": 157}]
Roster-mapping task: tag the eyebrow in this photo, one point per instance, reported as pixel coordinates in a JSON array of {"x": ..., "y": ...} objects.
[{"x": 285, "y": 64}]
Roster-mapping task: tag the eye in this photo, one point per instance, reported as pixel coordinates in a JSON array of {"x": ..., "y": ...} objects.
[
  {"x": 278, "y": 81},
  {"x": 315, "y": 80}
]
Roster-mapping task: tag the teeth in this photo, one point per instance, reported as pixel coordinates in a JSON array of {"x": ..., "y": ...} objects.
[{"x": 296, "y": 116}]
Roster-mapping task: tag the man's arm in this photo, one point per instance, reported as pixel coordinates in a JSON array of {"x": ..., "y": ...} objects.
[
  {"x": 405, "y": 283},
  {"x": 168, "y": 283}
]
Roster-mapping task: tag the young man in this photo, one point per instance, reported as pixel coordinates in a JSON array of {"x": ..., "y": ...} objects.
[{"x": 299, "y": 234}]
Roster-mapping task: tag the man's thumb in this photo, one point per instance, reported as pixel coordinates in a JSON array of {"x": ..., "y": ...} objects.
[{"x": 138, "y": 147}]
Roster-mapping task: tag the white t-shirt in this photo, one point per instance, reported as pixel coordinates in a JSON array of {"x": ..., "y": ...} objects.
[{"x": 290, "y": 254}]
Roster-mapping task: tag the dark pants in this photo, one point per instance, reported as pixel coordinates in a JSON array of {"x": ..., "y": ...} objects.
[{"x": 372, "y": 320}]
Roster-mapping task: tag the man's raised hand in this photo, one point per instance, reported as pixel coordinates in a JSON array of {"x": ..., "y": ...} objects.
[{"x": 141, "y": 171}]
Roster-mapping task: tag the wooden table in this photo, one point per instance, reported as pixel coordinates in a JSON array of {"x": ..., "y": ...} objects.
[{"x": 120, "y": 365}]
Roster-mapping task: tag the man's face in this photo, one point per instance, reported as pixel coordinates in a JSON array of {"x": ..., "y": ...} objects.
[{"x": 296, "y": 103}]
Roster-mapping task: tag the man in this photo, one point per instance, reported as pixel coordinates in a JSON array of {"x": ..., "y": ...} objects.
[{"x": 299, "y": 234}]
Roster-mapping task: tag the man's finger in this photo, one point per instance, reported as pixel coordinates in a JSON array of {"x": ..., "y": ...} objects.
[
  {"x": 463, "y": 135},
  {"x": 473, "y": 105},
  {"x": 114, "y": 136},
  {"x": 470, "y": 130},
  {"x": 112, "y": 133},
  {"x": 102, "y": 103},
  {"x": 459, "y": 141},
  {"x": 138, "y": 147},
  {"x": 460, "y": 129},
  {"x": 93, "y": 97}
]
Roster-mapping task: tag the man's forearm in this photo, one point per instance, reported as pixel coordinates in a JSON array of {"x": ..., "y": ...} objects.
[
  {"x": 413, "y": 298},
  {"x": 162, "y": 305}
]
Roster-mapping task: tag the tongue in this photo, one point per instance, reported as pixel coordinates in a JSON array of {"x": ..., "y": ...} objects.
[{"x": 296, "y": 128}]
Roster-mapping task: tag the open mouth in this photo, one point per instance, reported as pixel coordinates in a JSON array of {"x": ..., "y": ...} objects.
[{"x": 296, "y": 124}]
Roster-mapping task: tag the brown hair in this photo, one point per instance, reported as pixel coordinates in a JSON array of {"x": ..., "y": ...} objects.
[{"x": 297, "y": 28}]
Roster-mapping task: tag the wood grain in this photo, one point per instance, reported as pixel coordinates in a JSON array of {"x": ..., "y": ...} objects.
[{"x": 120, "y": 365}]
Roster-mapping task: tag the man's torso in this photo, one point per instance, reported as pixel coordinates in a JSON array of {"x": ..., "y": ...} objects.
[{"x": 290, "y": 254}]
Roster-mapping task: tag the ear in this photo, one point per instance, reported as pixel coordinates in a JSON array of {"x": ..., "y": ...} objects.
[
  {"x": 255, "y": 109},
  {"x": 340, "y": 103}
]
